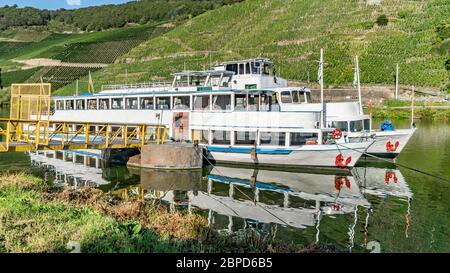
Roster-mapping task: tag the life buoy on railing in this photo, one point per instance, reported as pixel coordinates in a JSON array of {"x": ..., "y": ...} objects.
[
  {"x": 392, "y": 147},
  {"x": 390, "y": 175},
  {"x": 339, "y": 181},
  {"x": 336, "y": 133},
  {"x": 341, "y": 162}
]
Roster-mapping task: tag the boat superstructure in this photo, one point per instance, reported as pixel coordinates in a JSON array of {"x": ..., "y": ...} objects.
[{"x": 249, "y": 125}]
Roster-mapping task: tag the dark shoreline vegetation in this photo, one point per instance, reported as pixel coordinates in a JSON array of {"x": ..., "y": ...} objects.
[
  {"x": 36, "y": 217},
  {"x": 419, "y": 113},
  {"x": 103, "y": 17}
]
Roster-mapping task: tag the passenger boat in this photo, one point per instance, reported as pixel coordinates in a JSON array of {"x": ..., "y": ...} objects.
[
  {"x": 350, "y": 120},
  {"x": 245, "y": 126}
]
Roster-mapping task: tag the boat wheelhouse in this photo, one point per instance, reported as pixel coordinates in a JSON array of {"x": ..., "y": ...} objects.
[{"x": 257, "y": 73}]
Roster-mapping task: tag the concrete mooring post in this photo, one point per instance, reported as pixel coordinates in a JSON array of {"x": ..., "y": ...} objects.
[{"x": 169, "y": 156}]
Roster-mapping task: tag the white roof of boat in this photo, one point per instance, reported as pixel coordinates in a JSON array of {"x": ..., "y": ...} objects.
[
  {"x": 348, "y": 118},
  {"x": 292, "y": 88},
  {"x": 256, "y": 60},
  {"x": 203, "y": 73}
]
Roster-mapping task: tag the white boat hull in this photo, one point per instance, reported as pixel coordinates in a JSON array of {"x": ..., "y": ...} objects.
[
  {"x": 382, "y": 137},
  {"x": 320, "y": 156}
]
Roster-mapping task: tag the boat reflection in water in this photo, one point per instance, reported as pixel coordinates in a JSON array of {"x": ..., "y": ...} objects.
[
  {"x": 237, "y": 198},
  {"x": 81, "y": 168}
]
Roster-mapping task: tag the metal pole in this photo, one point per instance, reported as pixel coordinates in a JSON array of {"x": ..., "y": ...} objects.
[
  {"x": 396, "y": 82},
  {"x": 321, "y": 90},
  {"x": 412, "y": 106},
  {"x": 359, "y": 86},
  {"x": 76, "y": 89}
]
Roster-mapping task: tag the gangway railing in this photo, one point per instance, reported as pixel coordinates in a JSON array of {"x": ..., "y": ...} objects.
[
  {"x": 32, "y": 135},
  {"x": 107, "y": 87},
  {"x": 29, "y": 127}
]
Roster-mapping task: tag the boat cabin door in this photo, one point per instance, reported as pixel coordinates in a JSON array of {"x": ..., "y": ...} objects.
[{"x": 180, "y": 126}]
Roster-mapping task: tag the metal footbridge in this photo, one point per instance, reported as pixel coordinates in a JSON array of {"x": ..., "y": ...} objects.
[{"x": 29, "y": 127}]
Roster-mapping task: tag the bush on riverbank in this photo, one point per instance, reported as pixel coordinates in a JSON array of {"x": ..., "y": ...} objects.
[
  {"x": 37, "y": 218},
  {"x": 421, "y": 113}
]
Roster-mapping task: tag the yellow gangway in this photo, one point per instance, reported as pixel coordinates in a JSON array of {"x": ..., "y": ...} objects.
[{"x": 29, "y": 126}]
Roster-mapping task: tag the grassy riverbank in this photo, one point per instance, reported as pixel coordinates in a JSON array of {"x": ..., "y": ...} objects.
[{"x": 34, "y": 217}]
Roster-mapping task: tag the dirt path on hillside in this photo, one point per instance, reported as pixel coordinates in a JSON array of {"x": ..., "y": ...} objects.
[{"x": 32, "y": 63}]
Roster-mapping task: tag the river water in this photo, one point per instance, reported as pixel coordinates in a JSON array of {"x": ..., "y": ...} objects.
[{"x": 378, "y": 207}]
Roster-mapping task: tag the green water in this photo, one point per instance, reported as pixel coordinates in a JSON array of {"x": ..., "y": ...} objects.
[{"x": 407, "y": 215}]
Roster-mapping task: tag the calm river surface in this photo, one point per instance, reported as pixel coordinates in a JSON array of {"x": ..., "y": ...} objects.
[{"x": 376, "y": 208}]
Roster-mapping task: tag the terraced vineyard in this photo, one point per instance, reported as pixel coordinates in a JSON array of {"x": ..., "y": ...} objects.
[
  {"x": 97, "y": 47},
  {"x": 17, "y": 76},
  {"x": 291, "y": 34},
  {"x": 103, "y": 52},
  {"x": 60, "y": 76}
]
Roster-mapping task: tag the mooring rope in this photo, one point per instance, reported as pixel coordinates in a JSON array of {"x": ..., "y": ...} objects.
[{"x": 397, "y": 164}]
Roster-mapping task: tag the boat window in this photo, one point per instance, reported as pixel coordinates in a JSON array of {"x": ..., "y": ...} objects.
[
  {"x": 80, "y": 105},
  {"x": 201, "y": 135},
  {"x": 356, "y": 126},
  {"x": 182, "y": 103},
  {"x": 201, "y": 102},
  {"x": 163, "y": 103},
  {"x": 244, "y": 138},
  {"x": 240, "y": 102},
  {"x": 221, "y": 137},
  {"x": 253, "y": 102},
  {"x": 59, "y": 105},
  {"x": 286, "y": 97},
  {"x": 131, "y": 103},
  {"x": 92, "y": 104},
  {"x": 147, "y": 103},
  {"x": 266, "y": 69},
  {"x": 272, "y": 138},
  {"x": 221, "y": 102},
  {"x": 116, "y": 103},
  {"x": 275, "y": 105},
  {"x": 308, "y": 97},
  {"x": 256, "y": 68},
  {"x": 367, "y": 124},
  {"x": 241, "y": 69},
  {"x": 104, "y": 104},
  {"x": 247, "y": 68},
  {"x": 298, "y": 139},
  {"x": 265, "y": 102},
  {"x": 232, "y": 67},
  {"x": 340, "y": 125},
  {"x": 295, "y": 98},
  {"x": 301, "y": 96}
]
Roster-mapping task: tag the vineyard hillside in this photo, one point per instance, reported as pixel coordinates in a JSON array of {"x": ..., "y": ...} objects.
[{"x": 414, "y": 34}]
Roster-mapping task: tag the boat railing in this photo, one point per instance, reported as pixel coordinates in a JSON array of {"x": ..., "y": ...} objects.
[{"x": 136, "y": 85}]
